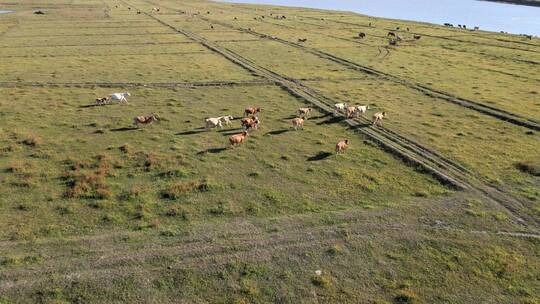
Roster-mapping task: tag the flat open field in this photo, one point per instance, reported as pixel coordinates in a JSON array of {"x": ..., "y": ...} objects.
[{"x": 439, "y": 204}]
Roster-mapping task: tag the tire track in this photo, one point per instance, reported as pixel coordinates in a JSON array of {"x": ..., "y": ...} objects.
[
  {"x": 446, "y": 171},
  {"x": 244, "y": 241},
  {"x": 203, "y": 52},
  {"x": 216, "y": 83}
]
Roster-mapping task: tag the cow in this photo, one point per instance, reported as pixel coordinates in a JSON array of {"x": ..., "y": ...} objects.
[
  {"x": 341, "y": 146},
  {"x": 238, "y": 138},
  {"x": 378, "y": 117},
  {"x": 145, "y": 120},
  {"x": 120, "y": 97},
  {"x": 251, "y": 111},
  {"x": 298, "y": 123}
]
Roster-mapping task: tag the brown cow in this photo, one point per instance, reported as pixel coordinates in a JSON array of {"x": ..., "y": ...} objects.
[
  {"x": 145, "y": 120},
  {"x": 251, "y": 111},
  {"x": 250, "y": 123}
]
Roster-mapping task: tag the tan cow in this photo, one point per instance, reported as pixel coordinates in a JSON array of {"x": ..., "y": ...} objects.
[
  {"x": 298, "y": 123},
  {"x": 378, "y": 117},
  {"x": 341, "y": 146},
  {"x": 304, "y": 111},
  {"x": 238, "y": 138}
]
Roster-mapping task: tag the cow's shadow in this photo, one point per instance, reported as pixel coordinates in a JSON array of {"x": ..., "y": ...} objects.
[
  {"x": 91, "y": 106},
  {"x": 211, "y": 151},
  {"x": 192, "y": 132},
  {"x": 332, "y": 120},
  {"x": 124, "y": 129},
  {"x": 320, "y": 116},
  {"x": 320, "y": 156},
  {"x": 230, "y": 130},
  {"x": 278, "y": 132}
]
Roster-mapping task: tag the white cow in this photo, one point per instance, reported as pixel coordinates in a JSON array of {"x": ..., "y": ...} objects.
[
  {"x": 226, "y": 119},
  {"x": 339, "y": 107},
  {"x": 212, "y": 122},
  {"x": 120, "y": 97},
  {"x": 361, "y": 109}
]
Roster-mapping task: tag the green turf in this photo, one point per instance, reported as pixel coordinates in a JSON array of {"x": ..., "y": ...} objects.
[{"x": 96, "y": 211}]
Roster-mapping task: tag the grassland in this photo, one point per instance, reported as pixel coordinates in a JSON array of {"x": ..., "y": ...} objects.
[{"x": 96, "y": 211}]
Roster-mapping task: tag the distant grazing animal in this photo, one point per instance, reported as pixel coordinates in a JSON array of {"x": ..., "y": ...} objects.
[
  {"x": 251, "y": 111},
  {"x": 101, "y": 101},
  {"x": 361, "y": 35},
  {"x": 145, "y": 120},
  {"x": 341, "y": 146},
  {"x": 129, "y": 8},
  {"x": 459, "y": 25},
  {"x": 305, "y": 111},
  {"x": 39, "y": 12},
  {"x": 235, "y": 18},
  {"x": 378, "y": 117},
  {"x": 476, "y": 28},
  {"x": 392, "y": 42},
  {"x": 397, "y": 28},
  {"x": 298, "y": 123},
  {"x": 370, "y": 24},
  {"x": 391, "y": 34},
  {"x": 138, "y": 12},
  {"x": 155, "y": 9},
  {"x": 238, "y": 138},
  {"x": 417, "y": 37},
  {"x": 339, "y": 107},
  {"x": 464, "y": 26},
  {"x": 449, "y": 24},
  {"x": 528, "y": 37},
  {"x": 211, "y": 123},
  {"x": 120, "y": 97},
  {"x": 211, "y": 26},
  {"x": 408, "y": 29},
  {"x": 302, "y": 39}
]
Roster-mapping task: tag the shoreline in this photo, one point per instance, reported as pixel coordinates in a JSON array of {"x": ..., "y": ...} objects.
[
  {"x": 484, "y": 24},
  {"x": 517, "y": 2}
]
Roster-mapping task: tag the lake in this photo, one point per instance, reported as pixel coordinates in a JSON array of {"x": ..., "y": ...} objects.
[{"x": 491, "y": 16}]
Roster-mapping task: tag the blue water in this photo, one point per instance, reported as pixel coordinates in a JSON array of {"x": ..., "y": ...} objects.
[{"x": 517, "y": 19}]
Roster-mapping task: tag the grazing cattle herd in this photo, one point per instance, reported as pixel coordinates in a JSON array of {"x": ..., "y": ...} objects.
[{"x": 250, "y": 120}]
